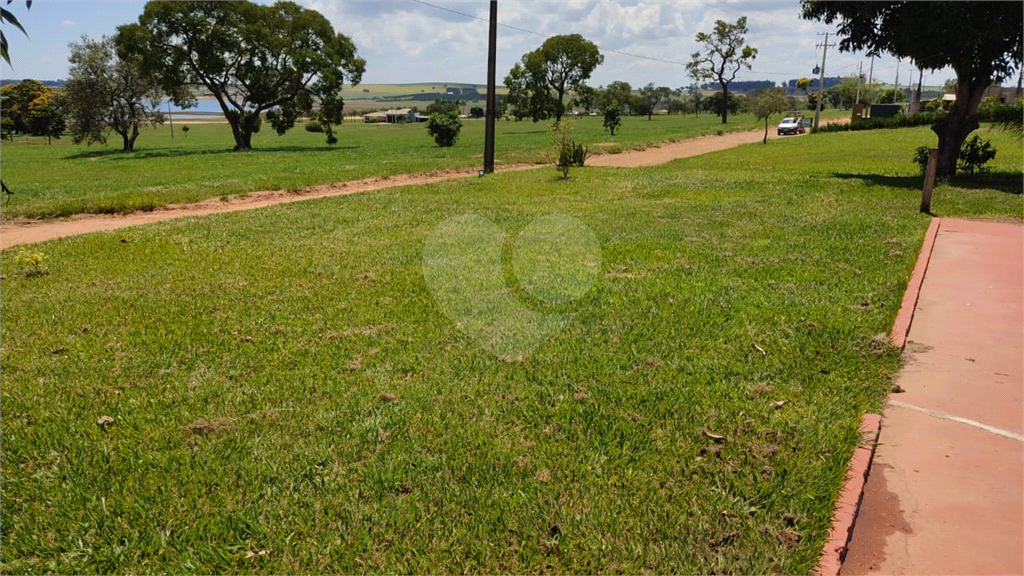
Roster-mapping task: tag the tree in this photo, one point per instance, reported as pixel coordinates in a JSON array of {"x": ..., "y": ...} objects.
[
  {"x": 108, "y": 93},
  {"x": 440, "y": 106},
  {"x": 46, "y": 116},
  {"x": 586, "y": 97},
  {"x": 677, "y": 106},
  {"x": 723, "y": 55},
  {"x": 981, "y": 41},
  {"x": 252, "y": 58},
  {"x": 540, "y": 81},
  {"x": 15, "y": 100},
  {"x": 649, "y": 98},
  {"x": 612, "y": 119},
  {"x": 890, "y": 96},
  {"x": 476, "y": 112},
  {"x": 765, "y": 102},
  {"x": 619, "y": 95},
  {"x": 8, "y": 17}
]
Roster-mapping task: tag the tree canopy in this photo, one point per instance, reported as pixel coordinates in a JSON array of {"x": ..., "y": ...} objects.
[
  {"x": 279, "y": 60},
  {"x": 538, "y": 84},
  {"x": 981, "y": 41},
  {"x": 106, "y": 92},
  {"x": 649, "y": 97},
  {"x": 767, "y": 101},
  {"x": 722, "y": 57}
]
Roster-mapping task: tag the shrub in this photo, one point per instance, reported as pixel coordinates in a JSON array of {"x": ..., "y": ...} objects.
[
  {"x": 898, "y": 121},
  {"x": 444, "y": 127},
  {"x": 184, "y": 130},
  {"x": 921, "y": 158},
  {"x": 612, "y": 119},
  {"x": 568, "y": 151},
  {"x": 314, "y": 126},
  {"x": 975, "y": 153}
]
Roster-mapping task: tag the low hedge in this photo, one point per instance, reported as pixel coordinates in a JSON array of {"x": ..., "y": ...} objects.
[{"x": 1000, "y": 113}]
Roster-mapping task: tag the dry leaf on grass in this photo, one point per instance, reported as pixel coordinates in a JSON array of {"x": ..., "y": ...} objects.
[{"x": 104, "y": 421}]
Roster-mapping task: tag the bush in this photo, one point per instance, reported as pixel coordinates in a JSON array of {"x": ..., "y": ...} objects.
[
  {"x": 568, "y": 151},
  {"x": 921, "y": 158},
  {"x": 898, "y": 121},
  {"x": 975, "y": 153},
  {"x": 612, "y": 119},
  {"x": 444, "y": 127},
  {"x": 314, "y": 126}
]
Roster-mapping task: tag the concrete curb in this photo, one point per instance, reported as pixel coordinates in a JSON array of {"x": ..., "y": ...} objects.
[
  {"x": 901, "y": 326},
  {"x": 848, "y": 504}
]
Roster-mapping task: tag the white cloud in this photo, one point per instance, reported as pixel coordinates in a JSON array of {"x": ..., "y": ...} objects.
[{"x": 68, "y": 23}]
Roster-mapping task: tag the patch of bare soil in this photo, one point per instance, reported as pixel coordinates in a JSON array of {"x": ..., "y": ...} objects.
[{"x": 29, "y": 231}]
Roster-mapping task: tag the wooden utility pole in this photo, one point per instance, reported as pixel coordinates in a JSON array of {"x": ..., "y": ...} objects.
[
  {"x": 860, "y": 77},
  {"x": 871, "y": 70},
  {"x": 492, "y": 51},
  {"x": 821, "y": 81},
  {"x": 929, "y": 181}
]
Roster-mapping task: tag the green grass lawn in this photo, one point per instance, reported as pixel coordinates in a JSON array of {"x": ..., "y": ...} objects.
[
  {"x": 65, "y": 179},
  {"x": 288, "y": 396}
]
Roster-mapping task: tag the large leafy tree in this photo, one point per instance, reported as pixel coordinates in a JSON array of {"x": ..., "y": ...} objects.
[
  {"x": 649, "y": 97},
  {"x": 723, "y": 55},
  {"x": 277, "y": 60},
  {"x": 46, "y": 115},
  {"x": 16, "y": 101},
  {"x": 541, "y": 80},
  {"x": 981, "y": 41},
  {"x": 617, "y": 95},
  {"x": 106, "y": 92}
]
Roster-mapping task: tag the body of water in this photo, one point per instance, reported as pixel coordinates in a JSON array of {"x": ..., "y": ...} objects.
[{"x": 201, "y": 106}]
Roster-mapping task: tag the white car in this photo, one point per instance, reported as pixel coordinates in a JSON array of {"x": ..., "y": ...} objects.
[{"x": 791, "y": 126}]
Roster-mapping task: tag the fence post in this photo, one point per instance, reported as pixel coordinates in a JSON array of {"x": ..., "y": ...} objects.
[{"x": 929, "y": 181}]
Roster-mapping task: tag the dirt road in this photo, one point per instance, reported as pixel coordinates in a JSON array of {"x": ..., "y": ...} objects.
[{"x": 30, "y": 231}]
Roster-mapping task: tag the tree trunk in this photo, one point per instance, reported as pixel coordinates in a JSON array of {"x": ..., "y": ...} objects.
[
  {"x": 958, "y": 123},
  {"x": 765, "y": 141},
  {"x": 725, "y": 102},
  {"x": 128, "y": 138}
]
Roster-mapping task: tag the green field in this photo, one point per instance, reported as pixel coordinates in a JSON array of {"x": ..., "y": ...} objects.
[
  {"x": 288, "y": 395},
  {"x": 65, "y": 179}
]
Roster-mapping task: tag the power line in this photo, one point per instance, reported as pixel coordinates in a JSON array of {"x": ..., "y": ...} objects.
[{"x": 510, "y": 27}]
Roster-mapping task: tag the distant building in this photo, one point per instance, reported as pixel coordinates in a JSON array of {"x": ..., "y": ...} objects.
[{"x": 398, "y": 116}]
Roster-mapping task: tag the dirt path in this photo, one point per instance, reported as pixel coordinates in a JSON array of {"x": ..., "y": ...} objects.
[{"x": 30, "y": 231}]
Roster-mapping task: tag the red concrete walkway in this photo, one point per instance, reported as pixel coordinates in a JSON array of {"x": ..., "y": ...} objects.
[{"x": 946, "y": 490}]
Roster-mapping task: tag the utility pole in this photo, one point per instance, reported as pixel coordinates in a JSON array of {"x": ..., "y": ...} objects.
[
  {"x": 860, "y": 76},
  {"x": 920, "y": 77},
  {"x": 871, "y": 70},
  {"x": 492, "y": 51},
  {"x": 896, "y": 84},
  {"x": 821, "y": 81}
]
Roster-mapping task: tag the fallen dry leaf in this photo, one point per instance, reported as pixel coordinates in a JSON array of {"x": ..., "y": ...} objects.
[
  {"x": 759, "y": 349},
  {"x": 779, "y": 404},
  {"x": 713, "y": 436},
  {"x": 104, "y": 421},
  {"x": 257, "y": 553}
]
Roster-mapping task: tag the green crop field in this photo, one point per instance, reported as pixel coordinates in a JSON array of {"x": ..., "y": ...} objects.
[
  {"x": 283, "y": 390},
  {"x": 65, "y": 179}
]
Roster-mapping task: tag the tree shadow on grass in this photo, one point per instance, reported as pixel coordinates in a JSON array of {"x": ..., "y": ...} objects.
[
  {"x": 1003, "y": 181},
  {"x": 177, "y": 153}
]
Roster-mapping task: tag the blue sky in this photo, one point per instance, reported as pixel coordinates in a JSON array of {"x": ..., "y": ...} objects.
[{"x": 407, "y": 41}]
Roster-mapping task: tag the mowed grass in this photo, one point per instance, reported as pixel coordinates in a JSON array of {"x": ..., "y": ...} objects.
[
  {"x": 66, "y": 179},
  {"x": 288, "y": 396}
]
